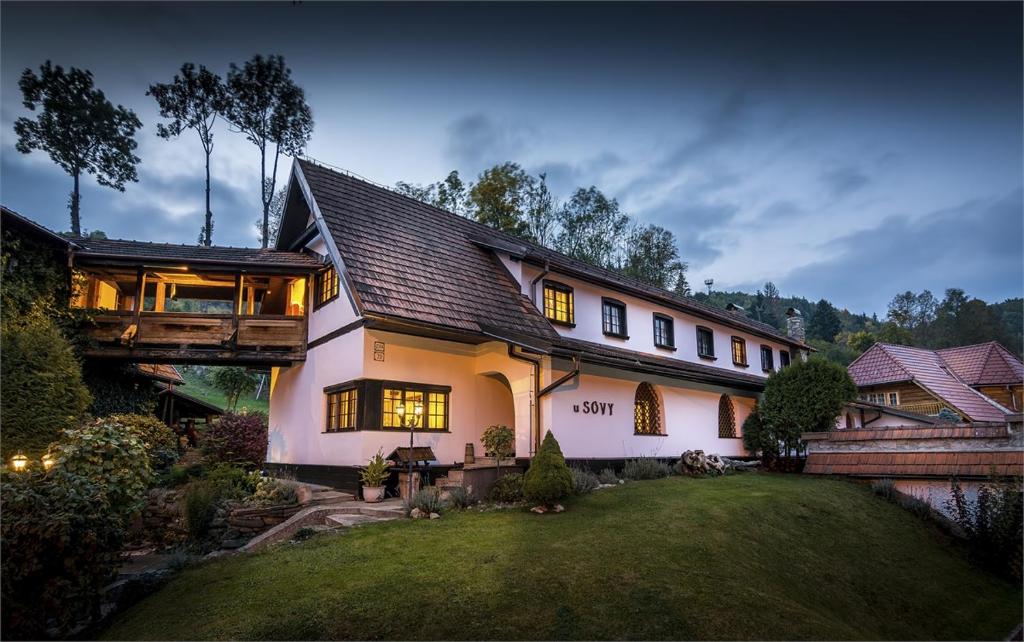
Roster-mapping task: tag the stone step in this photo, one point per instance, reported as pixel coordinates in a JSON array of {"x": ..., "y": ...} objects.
[
  {"x": 332, "y": 496},
  {"x": 347, "y": 520},
  {"x": 390, "y": 510}
]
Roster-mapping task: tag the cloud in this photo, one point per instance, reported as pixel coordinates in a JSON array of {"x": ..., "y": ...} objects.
[
  {"x": 975, "y": 246},
  {"x": 477, "y": 141},
  {"x": 842, "y": 181}
]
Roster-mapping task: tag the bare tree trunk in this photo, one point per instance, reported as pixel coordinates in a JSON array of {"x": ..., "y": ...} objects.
[
  {"x": 263, "y": 197},
  {"x": 209, "y": 215},
  {"x": 76, "y": 226}
]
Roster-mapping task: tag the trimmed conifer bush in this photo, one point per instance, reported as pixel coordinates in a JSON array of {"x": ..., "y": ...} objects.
[{"x": 548, "y": 479}]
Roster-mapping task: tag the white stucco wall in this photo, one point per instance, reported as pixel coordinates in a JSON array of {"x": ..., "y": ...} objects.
[
  {"x": 885, "y": 421},
  {"x": 336, "y": 314},
  {"x": 640, "y": 326}
]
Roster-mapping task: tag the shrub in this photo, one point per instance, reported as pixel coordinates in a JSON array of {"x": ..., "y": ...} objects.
[
  {"x": 238, "y": 438},
  {"x": 499, "y": 441},
  {"x": 993, "y": 524},
  {"x": 234, "y": 481},
  {"x": 508, "y": 488},
  {"x": 757, "y": 439},
  {"x": 884, "y": 488},
  {"x": 608, "y": 476},
  {"x": 459, "y": 497},
  {"x": 42, "y": 393},
  {"x": 425, "y": 499},
  {"x": 118, "y": 390},
  {"x": 271, "y": 492},
  {"x": 159, "y": 439},
  {"x": 201, "y": 500},
  {"x": 584, "y": 481},
  {"x": 807, "y": 396},
  {"x": 548, "y": 479},
  {"x": 61, "y": 545},
  {"x": 645, "y": 468},
  {"x": 111, "y": 457}
]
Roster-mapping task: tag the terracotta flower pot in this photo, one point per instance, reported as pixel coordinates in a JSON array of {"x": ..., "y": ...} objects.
[{"x": 373, "y": 494}]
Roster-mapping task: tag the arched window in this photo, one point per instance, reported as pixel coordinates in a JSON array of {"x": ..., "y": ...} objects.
[
  {"x": 646, "y": 414},
  {"x": 726, "y": 418}
]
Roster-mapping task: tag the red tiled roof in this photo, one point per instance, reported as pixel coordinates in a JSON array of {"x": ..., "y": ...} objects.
[
  {"x": 909, "y": 464},
  {"x": 886, "y": 363},
  {"x": 962, "y": 431},
  {"x": 984, "y": 364}
]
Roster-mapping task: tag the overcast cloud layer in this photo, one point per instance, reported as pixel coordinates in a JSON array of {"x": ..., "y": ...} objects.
[{"x": 842, "y": 151}]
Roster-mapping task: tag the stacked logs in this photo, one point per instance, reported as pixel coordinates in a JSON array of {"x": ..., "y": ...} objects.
[{"x": 695, "y": 463}]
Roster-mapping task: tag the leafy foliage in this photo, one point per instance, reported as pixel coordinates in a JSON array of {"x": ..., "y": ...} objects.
[
  {"x": 157, "y": 437},
  {"x": 42, "y": 393},
  {"x": 460, "y": 498},
  {"x": 61, "y": 546},
  {"x": 645, "y": 468},
  {"x": 375, "y": 472},
  {"x": 238, "y": 438},
  {"x": 499, "y": 441},
  {"x": 508, "y": 488},
  {"x": 993, "y": 524},
  {"x": 427, "y": 500},
  {"x": 79, "y": 128},
  {"x": 805, "y": 397},
  {"x": 118, "y": 390},
  {"x": 192, "y": 100},
  {"x": 266, "y": 105},
  {"x": 233, "y": 381},
  {"x": 584, "y": 481},
  {"x": 33, "y": 280},
  {"x": 650, "y": 255},
  {"x": 271, "y": 492},
  {"x": 111, "y": 456},
  {"x": 757, "y": 438},
  {"x": 200, "y": 507},
  {"x": 548, "y": 479},
  {"x": 592, "y": 226}
]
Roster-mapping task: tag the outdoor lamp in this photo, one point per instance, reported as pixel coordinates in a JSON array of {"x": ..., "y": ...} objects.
[
  {"x": 417, "y": 412},
  {"x": 19, "y": 462},
  {"x": 48, "y": 461}
]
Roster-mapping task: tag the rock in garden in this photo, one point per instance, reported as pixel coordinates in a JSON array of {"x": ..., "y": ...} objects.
[
  {"x": 435, "y": 516},
  {"x": 540, "y": 510},
  {"x": 559, "y": 508},
  {"x": 416, "y": 513}
]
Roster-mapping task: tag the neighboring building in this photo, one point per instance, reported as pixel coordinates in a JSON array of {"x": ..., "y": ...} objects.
[
  {"x": 981, "y": 383},
  {"x": 422, "y": 307}
]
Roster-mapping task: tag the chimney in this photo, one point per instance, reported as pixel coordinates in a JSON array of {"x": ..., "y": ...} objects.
[
  {"x": 795, "y": 324},
  {"x": 732, "y": 307}
]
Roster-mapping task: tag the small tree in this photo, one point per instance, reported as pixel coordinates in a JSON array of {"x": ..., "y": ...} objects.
[
  {"x": 499, "y": 440},
  {"x": 270, "y": 109},
  {"x": 805, "y": 397},
  {"x": 548, "y": 479},
  {"x": 192, "y": 100},
  {"x": 80, "y": 129},
  {"x": 233, "y": 381}
]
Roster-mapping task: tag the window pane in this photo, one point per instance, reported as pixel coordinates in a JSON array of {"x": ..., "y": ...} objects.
[
  {"x": 392, "y": 398},
  {"x": 412, "y": 399},
  {"x": 437, "y": 415},
  {"x": 894, "y": 399},
  {"x": 613, "y": 318},
  {"x": 558, "y": 303},
  {"x": 705, "y": 343},
  {"x": 739, "y": 351}
]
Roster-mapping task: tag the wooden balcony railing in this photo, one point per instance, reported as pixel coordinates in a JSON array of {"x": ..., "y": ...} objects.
[{"x": 929, "y": 408}]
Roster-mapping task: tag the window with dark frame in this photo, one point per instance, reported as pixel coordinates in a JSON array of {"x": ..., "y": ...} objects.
[
  {"x": 664, "y": 331},
  {"x": 341, "y": 410},
  {"x": 739, "y": 351},
  {"x": 558, "y": 303},
  {"x": 767, "y": 359},
  {"x": 646, "y": 411},
  {"x": 783, "y": 358},
  {"x": 705, "y": 343},
  {"x": 726, "y": 418},
  {"x": 325, "y": 287},
  {"x": 613, "y": 318},
  {"x": 434, "y": 403}
]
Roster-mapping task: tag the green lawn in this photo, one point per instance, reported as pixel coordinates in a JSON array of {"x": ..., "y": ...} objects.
[
  {"x": 751, "y": 556},
  {"x": 196, "y": 387}
]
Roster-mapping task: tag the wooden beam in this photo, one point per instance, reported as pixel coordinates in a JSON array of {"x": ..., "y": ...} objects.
[
  {"x": 250, "y": 302},
  {"x": 140, "y": 295},
  {"x": 161, "y": 294}
]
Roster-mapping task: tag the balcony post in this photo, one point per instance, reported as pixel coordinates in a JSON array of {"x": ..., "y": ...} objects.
[{"x": 140, "y": 293}]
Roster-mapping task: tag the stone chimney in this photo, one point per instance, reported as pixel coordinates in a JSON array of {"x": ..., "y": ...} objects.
[{"x": 795, "y": 324}]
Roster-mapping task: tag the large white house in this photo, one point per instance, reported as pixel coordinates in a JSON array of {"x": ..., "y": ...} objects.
[{"x": 419, "y": 306}]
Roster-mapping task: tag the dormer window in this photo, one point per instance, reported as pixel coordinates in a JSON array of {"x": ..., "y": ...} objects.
[
  {"x": 326, "y": 283},
  {"x": 767, "y": 359},
  {"x": 664, "y": 332},
  {"x": 558, "y": 303},
  {"x": 705, "y": 343},
  {"x": 739, "y": 352},
  {"x": 613, "y": 318}
]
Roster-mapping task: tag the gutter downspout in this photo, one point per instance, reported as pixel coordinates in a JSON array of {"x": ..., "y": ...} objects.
[
  {"x": 533, "y": 283},
  {"x": 535, "y": 394}
]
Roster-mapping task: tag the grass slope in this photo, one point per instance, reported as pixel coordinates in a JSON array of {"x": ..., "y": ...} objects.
[
  {"x": 197, "y": 387},
  {"x": 749, "y": 556}
]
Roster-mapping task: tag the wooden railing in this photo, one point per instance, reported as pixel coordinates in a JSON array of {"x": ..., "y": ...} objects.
[{"x": 922, "y": 408}]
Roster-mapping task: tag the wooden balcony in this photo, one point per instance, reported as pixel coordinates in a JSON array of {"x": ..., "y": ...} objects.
[
  {"x": 927, "y": 408},
  {"x": 180, "y": 337}
]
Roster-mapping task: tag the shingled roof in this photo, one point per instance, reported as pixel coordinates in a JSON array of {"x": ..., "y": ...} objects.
[
  {"x": 884, "y": 363},
  {"x": 412, "y": 260},
  {"x": 118, "y": 249},
  {"x": 984, "y": 364}
]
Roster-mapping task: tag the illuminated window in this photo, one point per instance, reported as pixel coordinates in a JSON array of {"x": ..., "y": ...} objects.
[
  {"x": 767, "y": 359},
  {"x": 726, "y": 418},
  {"x": 664, "y": 333},
  {"x": 434, "y": 404},
  {"x": 646, "y": 413},
  {"x": 783, "y": 358},
  {"x": 341, "y": 410},
  {"x": 613, "y": 317},
  {"x": 739, "y": 351},
  {"x": 558, "y": 303},
  {"x": 705, "y": 343},
  {"x": 326, "y": 286}
]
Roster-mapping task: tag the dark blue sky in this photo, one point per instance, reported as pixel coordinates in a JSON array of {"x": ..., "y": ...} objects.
[{"x": 847, "y": 151}]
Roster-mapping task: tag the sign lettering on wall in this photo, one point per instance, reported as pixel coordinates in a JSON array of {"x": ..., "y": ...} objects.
[
  {"x": 594, "y": 408},
  {"x": 378, "y": 350}
]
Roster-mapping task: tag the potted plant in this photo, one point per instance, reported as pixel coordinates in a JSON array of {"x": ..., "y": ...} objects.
[{"x": 373, "y": 476}]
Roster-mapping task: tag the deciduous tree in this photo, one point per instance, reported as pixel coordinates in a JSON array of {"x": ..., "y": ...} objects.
[
  {"x": 499, "y": 197},
  {"x": 592, "y": 227},
  {"x": 79, "y": 128},
  {"x": 192, "y": 100},
  {"x": 650, "y": 254}
]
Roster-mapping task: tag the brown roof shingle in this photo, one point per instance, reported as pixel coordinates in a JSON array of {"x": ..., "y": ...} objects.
[
  {"x": 925, "y": 464},
  {"x": 171, "y": 252}
]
